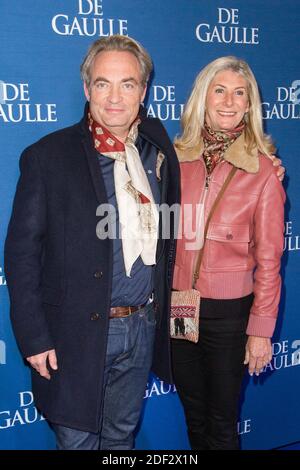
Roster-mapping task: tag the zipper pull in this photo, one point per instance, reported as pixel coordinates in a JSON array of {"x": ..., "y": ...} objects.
[{"x": 207, "y": 181}]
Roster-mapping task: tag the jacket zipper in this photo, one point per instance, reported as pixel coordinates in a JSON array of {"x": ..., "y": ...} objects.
[
  {"x": 204, "y": 196},
  {"x": 202, "y": 201},
  {"x": 207, "y": 181}
]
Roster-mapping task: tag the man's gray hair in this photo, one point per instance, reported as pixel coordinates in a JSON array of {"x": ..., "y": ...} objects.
[{"x": 117, "y": 42}]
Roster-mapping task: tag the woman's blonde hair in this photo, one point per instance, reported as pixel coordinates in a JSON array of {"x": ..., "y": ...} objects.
[{"x": 193, "y": 117}]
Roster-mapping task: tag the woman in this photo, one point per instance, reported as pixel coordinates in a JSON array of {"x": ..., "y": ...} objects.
[{"x": 222, "y": 128}]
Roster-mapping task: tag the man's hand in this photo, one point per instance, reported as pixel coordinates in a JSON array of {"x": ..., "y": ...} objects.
[
  {"x": 39, "y": 362},
  {"x": 281, "y": 169},
  {"x": 258, "y": 353}
]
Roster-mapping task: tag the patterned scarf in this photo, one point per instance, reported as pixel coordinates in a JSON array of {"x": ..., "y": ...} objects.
[
  {"x": 138, "y": 214},
  {"x": 216, "y": 143}
]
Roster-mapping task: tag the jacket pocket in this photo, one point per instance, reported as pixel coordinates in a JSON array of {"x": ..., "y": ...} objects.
[
  {"x": 52, "y": 295},
  {"x": 228, "y": 247}
]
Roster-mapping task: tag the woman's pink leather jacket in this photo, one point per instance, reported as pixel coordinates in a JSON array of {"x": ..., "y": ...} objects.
[{"x": 245, "y": 238}]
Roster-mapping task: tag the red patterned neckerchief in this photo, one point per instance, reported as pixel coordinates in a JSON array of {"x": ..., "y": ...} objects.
[
  {"x": 105, "y": 142},
  {"x": 138, "y": 214},
  {"x": 108, "y": 145},
  {"x": 216, "y": 143}
]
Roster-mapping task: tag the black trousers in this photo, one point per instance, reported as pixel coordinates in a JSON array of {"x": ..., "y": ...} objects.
[{"x": 208, "y": 375}]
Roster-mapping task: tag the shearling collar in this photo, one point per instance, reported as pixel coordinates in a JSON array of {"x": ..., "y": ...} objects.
[{"x": 236, "y": 154}]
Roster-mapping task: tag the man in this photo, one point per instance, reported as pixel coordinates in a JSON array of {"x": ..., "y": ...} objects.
[{"x": 82, "y": 304}]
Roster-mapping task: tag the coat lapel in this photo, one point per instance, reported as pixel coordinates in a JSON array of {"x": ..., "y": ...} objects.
[
  {"x": 93, "y": 164},
  {"x": 236, "y": 154}
]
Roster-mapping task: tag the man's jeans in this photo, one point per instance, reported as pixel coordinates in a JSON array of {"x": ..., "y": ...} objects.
[{"x": 127, "y": 366}]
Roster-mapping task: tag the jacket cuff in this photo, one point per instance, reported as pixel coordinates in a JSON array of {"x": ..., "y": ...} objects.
[
  {"x": 35, "y": 346},
  {"x": 259, "y": 325}
]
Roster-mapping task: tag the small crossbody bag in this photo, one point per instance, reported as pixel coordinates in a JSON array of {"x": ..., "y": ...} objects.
[{"x": 185, "y": 305}]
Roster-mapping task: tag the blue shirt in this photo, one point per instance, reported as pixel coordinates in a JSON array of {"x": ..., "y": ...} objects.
[{"x": 137, "y": 288}]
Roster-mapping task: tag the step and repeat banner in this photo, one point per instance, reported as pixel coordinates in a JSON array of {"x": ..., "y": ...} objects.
[{"x": 43, "y": 43}]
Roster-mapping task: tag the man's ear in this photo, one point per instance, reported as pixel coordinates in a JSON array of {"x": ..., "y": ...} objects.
[{"x": 86, "y": 92}]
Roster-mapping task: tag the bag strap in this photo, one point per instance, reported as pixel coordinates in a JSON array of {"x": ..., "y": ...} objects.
[{"x": 214, "y": 206}]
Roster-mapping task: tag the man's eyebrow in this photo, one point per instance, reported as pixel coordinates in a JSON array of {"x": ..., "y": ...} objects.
[
  {"x": 127, "y": 79},
  {"x": 100, "y": 79}
]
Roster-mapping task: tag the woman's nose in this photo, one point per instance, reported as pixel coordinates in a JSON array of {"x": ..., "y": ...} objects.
[{"x": 228, "y": 99}]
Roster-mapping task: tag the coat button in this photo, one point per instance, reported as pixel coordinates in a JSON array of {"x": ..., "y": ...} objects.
[
  {"x": 229, "y": 236},
  {"x": 98, "y": 274},
  {"x": 95, "y": 316}
]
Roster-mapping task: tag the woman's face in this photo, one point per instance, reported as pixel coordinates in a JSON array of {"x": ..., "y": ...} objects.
[{"x": 226, "y": 101}]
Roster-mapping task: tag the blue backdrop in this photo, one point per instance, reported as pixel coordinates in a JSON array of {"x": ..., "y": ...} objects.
[{"x": 42, "y": 46}]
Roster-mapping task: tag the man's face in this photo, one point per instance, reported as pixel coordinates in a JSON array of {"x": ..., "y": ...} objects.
[{"x": 115, "y": 91}]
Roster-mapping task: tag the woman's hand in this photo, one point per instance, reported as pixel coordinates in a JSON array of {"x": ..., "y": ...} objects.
[
  {"x": 281, "y": 169},
  {"x": 258, "y": 353}
]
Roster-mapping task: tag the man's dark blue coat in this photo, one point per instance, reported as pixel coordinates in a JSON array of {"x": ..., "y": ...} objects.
[{"x": 59, "y": 274}]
